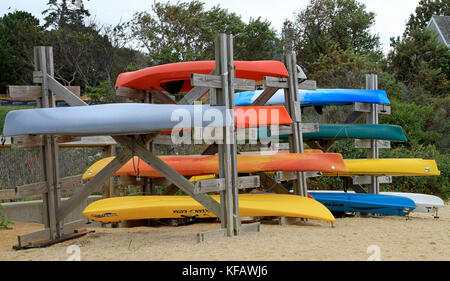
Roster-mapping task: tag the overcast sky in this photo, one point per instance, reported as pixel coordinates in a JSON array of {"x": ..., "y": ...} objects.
[{"x": 391, "y": 15}]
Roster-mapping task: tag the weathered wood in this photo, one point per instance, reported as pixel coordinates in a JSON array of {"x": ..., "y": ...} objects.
[
  {"x": 195, "y": 94},
  {"x": 27, "y": 141},
  {"x": 44, "y": 235},
  {"x": 68, "y": 186},
  {"x": 34, "y": 92},
  {"x": 94, "y": 185},
  {"x": 90, "y": 142},
  {"x": 250, "y": 227},
  {"x": 265, "y": 96},
  {"x": 282, "y": 83},
  {"x": 36, "y": 141},
  {"x": 64, "y": 139},
  {"x": 270, "y": 184},
  {"x": 108, "y": 186},
  {"x": 167, "y": 171},
  {"x": 217, "y": 185},
  {"x": 290, "y": 175},
  {"x": 130, "y": 93},
  {"x": 64, "y": 93},
  {"x": 216, "y": 81},
  {"x": 366, "y": 143},
  {"x": 7, "y": 194},
  {"x": 214, "y": 234},
  {"x": 366, "y": 107},
  {"x": 162, "y": 97},
  {"x": 360, "y": 180}
]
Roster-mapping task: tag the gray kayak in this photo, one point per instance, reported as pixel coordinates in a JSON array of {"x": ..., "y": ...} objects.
[{"x": 113, "y": 119}]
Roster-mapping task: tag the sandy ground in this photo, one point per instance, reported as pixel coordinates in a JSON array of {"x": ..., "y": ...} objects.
[{"x": 352, "y": 239}]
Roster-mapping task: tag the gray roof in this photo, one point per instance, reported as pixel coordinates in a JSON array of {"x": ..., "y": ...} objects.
[{"x": 443, "y": 24}]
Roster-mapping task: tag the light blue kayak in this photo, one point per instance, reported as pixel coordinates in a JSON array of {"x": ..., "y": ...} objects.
[
  {"x": 319, "y": 97},
  {"x": 365, "y": 203}
]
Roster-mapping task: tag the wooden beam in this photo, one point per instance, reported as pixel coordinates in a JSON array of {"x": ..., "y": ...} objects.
[
  {"x": 215, "y": 81},
  {"x": 265, "y": 96},
  {"x": 68, "y": 186},
  {"x": 168, "y": 172},
  {"x": 366, "y": 107},
  {"x": 368, "y": 143},
  {"x": 130, "y": 93},
  {"x": 36, "y": 141},
  {"x": 217, "y": 185},
  {"x": 282, "y": 83},
  {"x": 34, "y": 92},
  {"x": 162, "y": 97},
  {"x": 361, "y": 180},
  {"x": 94, "y": 185},
  {"x": 7, "y": 194},
  {"x": 44, "y": 235},
  {"x": 270, "y": 184},
  {"x": 64, "y": 93},
  {"x": 195, "y": 94}
]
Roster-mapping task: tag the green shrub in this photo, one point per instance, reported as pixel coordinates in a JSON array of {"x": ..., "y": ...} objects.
[{"x": 4, "y": 223}]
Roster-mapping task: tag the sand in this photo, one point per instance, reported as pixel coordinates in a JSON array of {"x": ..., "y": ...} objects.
[{"x": 421, "y": 238}]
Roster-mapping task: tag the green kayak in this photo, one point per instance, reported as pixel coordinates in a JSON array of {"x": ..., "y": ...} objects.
[{"x": 349, "y": 131}]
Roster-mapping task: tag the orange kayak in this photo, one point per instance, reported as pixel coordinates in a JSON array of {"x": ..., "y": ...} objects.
[
  {"x": 156, "y": 77},
  {"x": 195, "y": 165}
]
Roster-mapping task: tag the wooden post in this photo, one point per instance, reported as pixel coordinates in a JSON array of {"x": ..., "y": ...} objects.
[
  {"x": 43, "y": 58},
  {"x": 372, "y": 118},
  {"x": 108, "y": 186},
  {"x": 221, "y": 97},
  {"x": 294, "y": 109}
]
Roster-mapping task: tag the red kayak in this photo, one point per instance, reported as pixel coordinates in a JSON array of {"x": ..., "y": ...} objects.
[
  {"x": 160, "y": 77},
  {"x": 196, "y": 165}
]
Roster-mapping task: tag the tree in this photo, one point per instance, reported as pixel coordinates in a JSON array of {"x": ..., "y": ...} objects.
[
  {"x": 333, "y": 24},
  {"x": 19, "y": 33},
  {"x": 420, "y": 61},
  {"x": 423, "y": 13},
  {"x": 186, "y": 31},
  {"x": 67, "y": 12}
]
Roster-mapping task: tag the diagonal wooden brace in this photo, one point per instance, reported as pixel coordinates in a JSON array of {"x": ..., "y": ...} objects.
[
  {"x": 95, "y": 184},
  {"x": 173, "y": 176}
]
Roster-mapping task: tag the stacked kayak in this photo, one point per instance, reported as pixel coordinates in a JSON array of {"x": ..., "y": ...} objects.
[
  {"x": 424, "y": 203},
  {"x": 163, "y": 207},
  {"x": 365, "y": 203},
  {"x": 347, "y": 131},
  {"x": 319, "y": 97},
  {"x": 195, "y": 165}
]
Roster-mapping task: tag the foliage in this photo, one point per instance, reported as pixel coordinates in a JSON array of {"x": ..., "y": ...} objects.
[
  {"x": 66, "y": 13},
  {"x": 420, "y": 61},
  {"x": 327, "y": 25},
  {"x": 423, "y": 13},
  {"x": 4, "y": 223},
  {"x": 19, "y": 33},
  {"x": 344, "y": 69},
  {"x": 104, "y": 93},
  {"x": 415, "y": 121},
  {"x": 185, "y": 31}
]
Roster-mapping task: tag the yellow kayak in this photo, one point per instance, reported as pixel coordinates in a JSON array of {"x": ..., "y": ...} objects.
[
  {"x": 389, "y": 167},
  {"x": 159, "y": 207}
]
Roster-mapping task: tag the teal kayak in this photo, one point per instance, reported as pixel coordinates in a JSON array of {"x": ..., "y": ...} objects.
[{"x": 348, "y": 131}]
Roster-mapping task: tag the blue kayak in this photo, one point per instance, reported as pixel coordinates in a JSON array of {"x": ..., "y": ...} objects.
[
  {"x": 365, "y": 203},
  {"x": 319, "y": 97}
]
